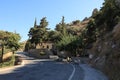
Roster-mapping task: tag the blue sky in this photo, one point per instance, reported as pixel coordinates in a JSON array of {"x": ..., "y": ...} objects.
[{"x": 19, "y": 15}]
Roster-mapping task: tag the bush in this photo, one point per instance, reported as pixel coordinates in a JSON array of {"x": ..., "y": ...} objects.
[
  {"x": 18, "y": 60},
  {"x": 8, "y": 63}
]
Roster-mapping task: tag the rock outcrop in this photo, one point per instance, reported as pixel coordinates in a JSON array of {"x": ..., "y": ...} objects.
[{"x": 106, "y": 53}]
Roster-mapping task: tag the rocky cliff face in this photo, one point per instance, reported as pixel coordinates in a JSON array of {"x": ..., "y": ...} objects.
[
  {"x": 117, "y": 3},
  {"x": 106, "y": 53}
]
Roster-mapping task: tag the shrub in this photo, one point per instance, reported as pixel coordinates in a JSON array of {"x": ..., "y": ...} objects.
[{"x": 8, "y": 63}]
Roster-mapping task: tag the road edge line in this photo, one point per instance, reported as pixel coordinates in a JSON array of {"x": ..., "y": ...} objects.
[{"x": 73, "y": 72}]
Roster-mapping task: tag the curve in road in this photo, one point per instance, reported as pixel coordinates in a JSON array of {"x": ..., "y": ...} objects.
[{"x": 35, "y": 69}]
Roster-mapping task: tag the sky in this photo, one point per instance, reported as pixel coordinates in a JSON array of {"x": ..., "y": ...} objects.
[{"x": 19, "y": 15}]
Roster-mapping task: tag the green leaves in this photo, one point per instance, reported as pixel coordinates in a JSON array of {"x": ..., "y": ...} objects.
[
  {"x": 43, "y": 23},
  {"x": 61, "y": 27},
  {"x": 10, "y": 40},
  {"x": 38, "y": 33},
  {"x": 107, "y": 15},
  {"x": 13, "y": 41},
  {"x": 70, "y": 43}
]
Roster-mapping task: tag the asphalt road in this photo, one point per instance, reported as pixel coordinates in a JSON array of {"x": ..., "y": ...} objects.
[
  {"x": 35, "y": 69},
  {"x": 44, "y": 70}
]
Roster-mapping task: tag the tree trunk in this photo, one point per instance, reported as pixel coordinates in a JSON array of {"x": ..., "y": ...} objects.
[
  {"x": 2, "y": 53},
  {"x": 13, "y": 52}
]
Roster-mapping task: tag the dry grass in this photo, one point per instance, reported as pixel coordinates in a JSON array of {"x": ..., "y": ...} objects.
[
  {"x": 7, "y": 55},
  {"x": 116, "y": 32},
  {"x": 112, "y": 69},
  {"x": 9, "y": 62},
  {"x": 111, "y": 66}
]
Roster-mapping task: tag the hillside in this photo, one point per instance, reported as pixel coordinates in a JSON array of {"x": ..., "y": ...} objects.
[
  {"x": 101, "y": 33},
  {"x": 106, "y": 53},
  {"x": 97, "y": 35},
  {"x": 105, "y": 50},
  {"x": 77, "y": 26}
]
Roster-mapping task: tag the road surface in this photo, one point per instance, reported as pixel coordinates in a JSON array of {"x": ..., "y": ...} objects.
[{"x": 35, "y": 69}]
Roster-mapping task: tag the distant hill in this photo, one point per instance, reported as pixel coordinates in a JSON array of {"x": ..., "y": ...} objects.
[{"x": 77, "y": 26}]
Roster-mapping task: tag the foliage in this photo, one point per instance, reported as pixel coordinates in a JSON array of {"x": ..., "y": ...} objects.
[
  {"x": 58, "y": 27},
  {"x": 75, "y": 22},
  {"x": 43, "y": 23},
  {"x": 39, "y": 33},
  {"x": 95, "y": 12},
  {"x": 8, "y": 63},
  {"x": 22, "y": 45},
  {"x": 10, "y": 39},
  {"x": 101, "y": 22},
  {"x": 53, "y": 36},
  {"x": 108, "y": 16},
  {"x": 5, "y": 51},
  {"x": 90, "y": 31},
  {"x": 27, "y": 45},
  {"x": 61, "y": 27},
  {"x": 65, "y": 40},
  {"x": 70, "y": 43},
  {"x": 13, "y": 41}
]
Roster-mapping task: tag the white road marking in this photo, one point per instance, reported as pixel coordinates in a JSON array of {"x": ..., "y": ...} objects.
[{"x": 73, "y": 72}]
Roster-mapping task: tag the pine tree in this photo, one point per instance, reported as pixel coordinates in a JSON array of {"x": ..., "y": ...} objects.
[
  {"x": 35, "y": 23},
  {"x": 43, "y": 23},
  {"x": 63, "y": 26},
  {"x": 39, "y": 33}
]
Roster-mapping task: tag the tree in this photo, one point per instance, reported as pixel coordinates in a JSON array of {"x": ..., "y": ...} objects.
[
  {"x": 53, "y": 36},
  {"x": 70, "y": 43},
  {"x": 76, "y": 22},
  {"x": 13, "y": 41},
  {"x": 91, "y": 31},
  {"x": 61, "y": 27},
  {"x": 43, "y": 23},
  {"x": 107, "y": 15},
  {"x": 39, "y": 33},
  {"x": 58, "y": 27},
  {"x": 28, "y": 45},
  {"x": 63, "y": 24},
  {"x": 95, "y": 12},
  {"x": 35, "y": 23},
  {"x": 9, "y": 39},
  {"x": 2, "y": 42}
]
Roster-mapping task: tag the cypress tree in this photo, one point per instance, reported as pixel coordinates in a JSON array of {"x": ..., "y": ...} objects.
[{"x": 35, "y": 23}]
